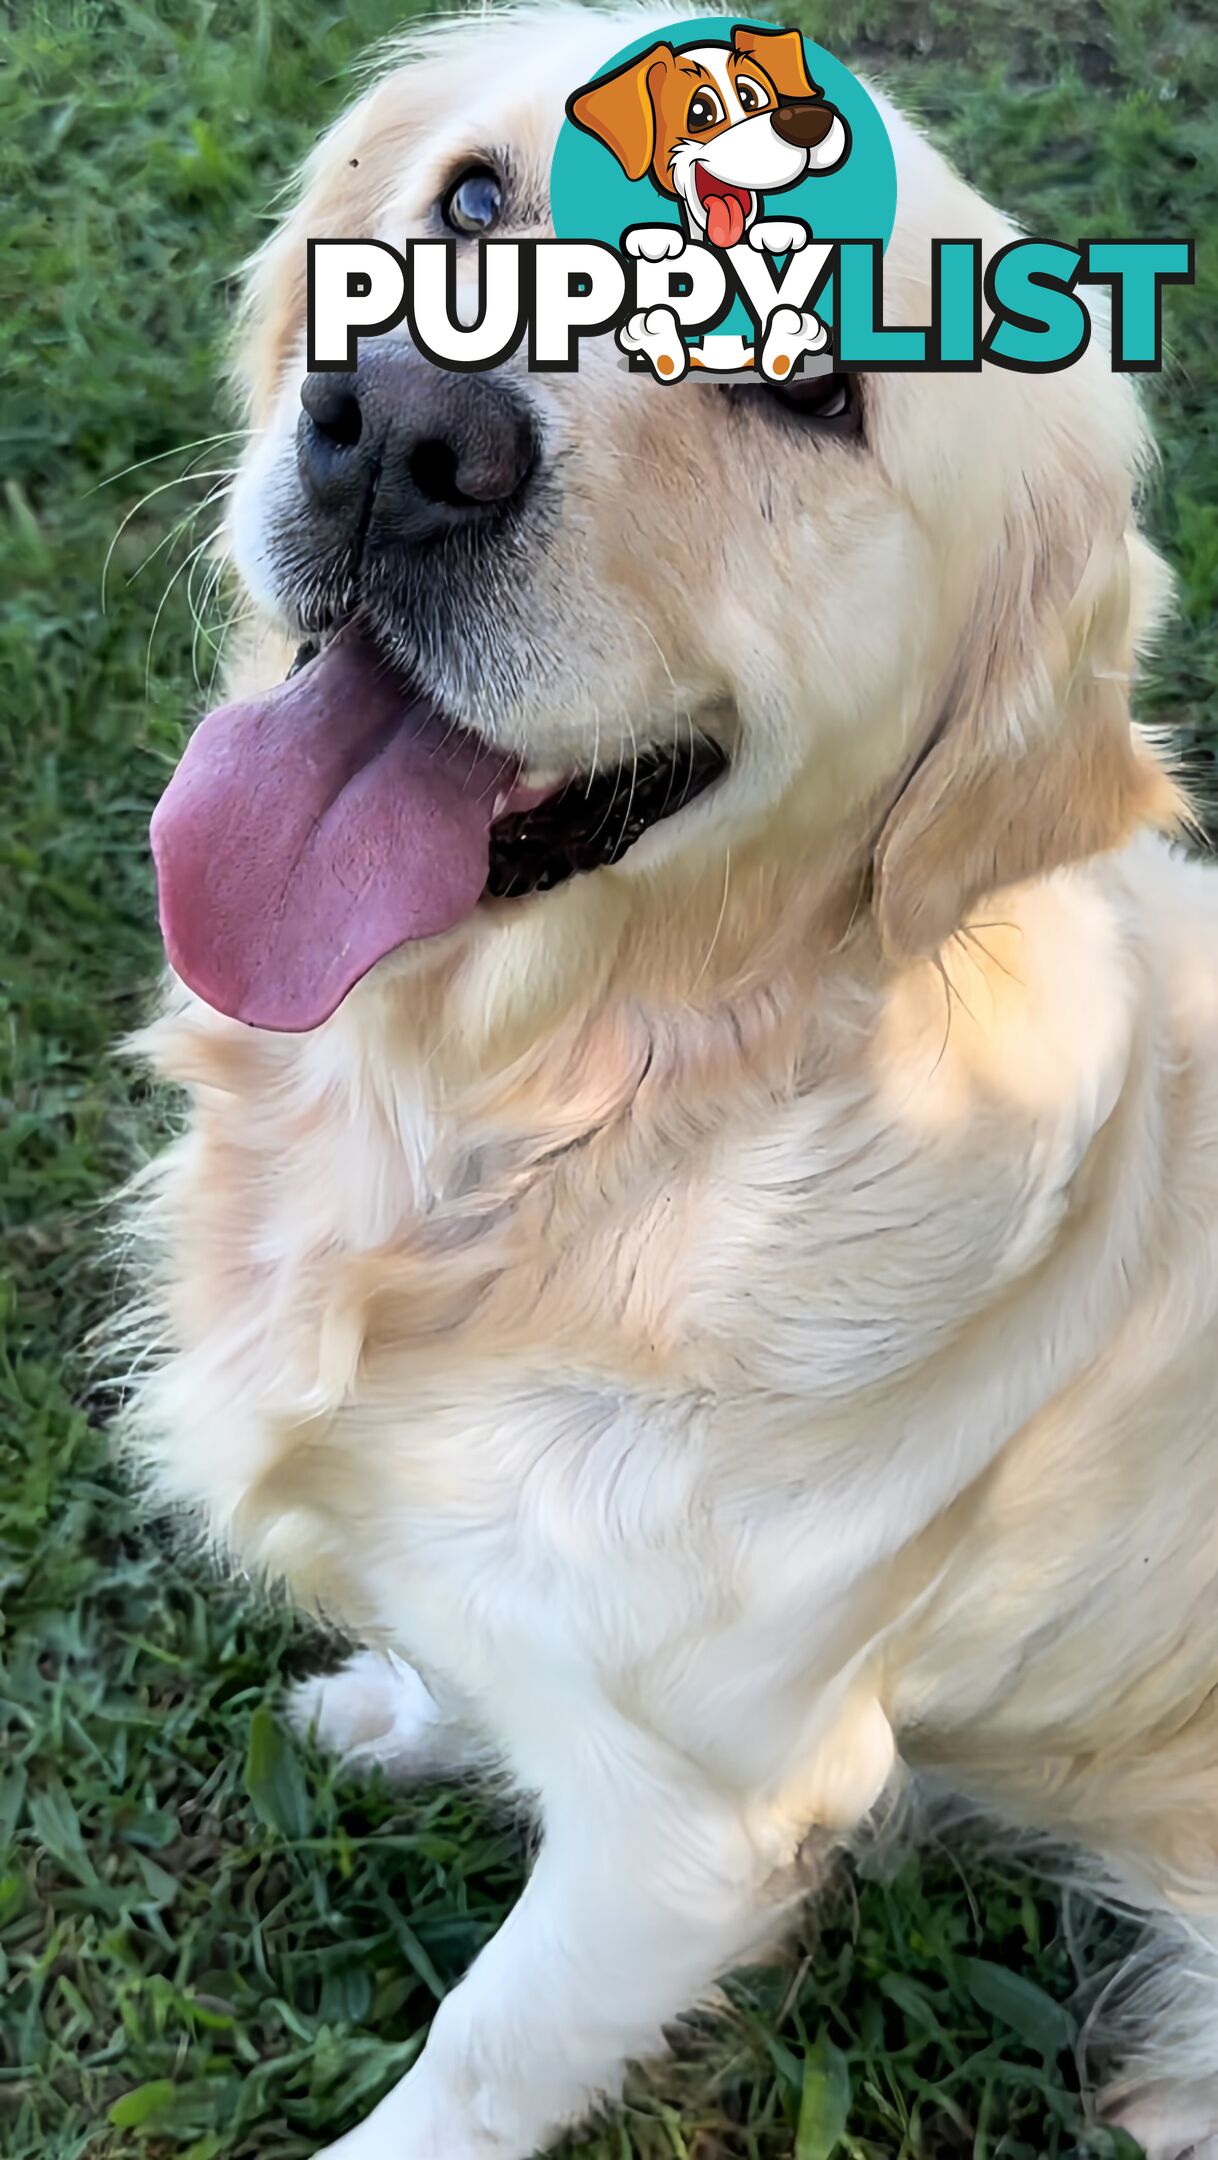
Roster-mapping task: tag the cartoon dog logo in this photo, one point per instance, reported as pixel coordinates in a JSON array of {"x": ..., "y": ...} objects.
[{"x": 717, "y": 127}]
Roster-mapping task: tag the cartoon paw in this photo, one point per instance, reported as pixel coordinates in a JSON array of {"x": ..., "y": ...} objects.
[
  {"x": 654, "y": 333},
  {"x": 779, "y": 236},
  {"x": 654, "y": 243},
  {"x": 789, "y": 335}
]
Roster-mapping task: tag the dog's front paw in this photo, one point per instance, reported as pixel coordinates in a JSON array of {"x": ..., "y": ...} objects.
[
  {"x": 655, "y": 333},
  {"x": 413, "y": 2123},
  {"x": 1174, "y": 2120},
  {"x": 376, "y": 1712},
  {"x": 372, "y": 2141},
  {"x": 389, "y": 2134},
  {"x": 779, "y": 236},
  {"x": 654, "y": 243},
  {"x": 790, "y": 333},
  {"x": 369, "y": 2141}
]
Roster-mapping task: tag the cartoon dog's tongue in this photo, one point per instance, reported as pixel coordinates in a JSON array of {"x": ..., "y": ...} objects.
[
  {"x": 726, "y": 208},
  {"x": 310, "y": 831},
  {"x": 724, "y": 220}
]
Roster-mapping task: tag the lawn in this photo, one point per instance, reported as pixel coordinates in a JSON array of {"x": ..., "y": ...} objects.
[{"x": 209, "y": 1945}]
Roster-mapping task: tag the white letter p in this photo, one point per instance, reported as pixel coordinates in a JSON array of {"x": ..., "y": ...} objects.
[{"x": 357, "y": 288}]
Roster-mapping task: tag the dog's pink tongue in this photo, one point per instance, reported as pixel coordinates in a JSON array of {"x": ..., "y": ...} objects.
[
  {"x": 309, "y": 832},
  {"x": 724, "y": 220}
]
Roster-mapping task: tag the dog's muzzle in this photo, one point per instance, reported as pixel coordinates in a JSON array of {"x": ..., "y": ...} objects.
[{"x": 399, "y": 452}]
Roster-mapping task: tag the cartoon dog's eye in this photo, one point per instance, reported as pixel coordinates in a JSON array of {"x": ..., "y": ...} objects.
[
  {"x": 474, "y": 201},
  {"x": 705, "y": 111},
  {"x": 751, "y": 95}
]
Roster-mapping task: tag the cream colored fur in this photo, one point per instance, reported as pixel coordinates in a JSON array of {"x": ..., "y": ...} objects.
[{"x": 744, "y": 1322}]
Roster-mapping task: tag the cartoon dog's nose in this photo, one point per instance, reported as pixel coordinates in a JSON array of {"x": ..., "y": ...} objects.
[
  {"x": 406, "y": 449},
  {"x": 804, "y": 124}
]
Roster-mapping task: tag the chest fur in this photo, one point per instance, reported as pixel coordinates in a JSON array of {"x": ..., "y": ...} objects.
[{"x": 621, "y": 1302}]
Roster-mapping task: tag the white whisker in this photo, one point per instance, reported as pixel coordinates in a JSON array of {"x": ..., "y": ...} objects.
[
  {"x": 242, "y": 613},
  {"x": 182, "y": 567},
  {"x": 218, "y": 472},
  {"x": 183, "y": 524},
  {"x": 727, "y": 872},
  {"x": 215, "y": 573},
  {"x": 201, "y": 442}
]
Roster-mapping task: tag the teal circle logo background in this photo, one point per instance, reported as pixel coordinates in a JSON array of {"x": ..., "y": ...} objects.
[{"x": 592, "y": 199}]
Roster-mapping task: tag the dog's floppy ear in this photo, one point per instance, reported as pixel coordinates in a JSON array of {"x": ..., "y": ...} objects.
[
  {"x": 781, "y": 54},
  {"x": 1036, "y": 763},
  {"x": 350, "y": 174},
  {"x": 620, "y": 109}
]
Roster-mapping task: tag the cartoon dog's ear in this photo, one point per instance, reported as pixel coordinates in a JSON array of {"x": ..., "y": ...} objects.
[
  {"x": 781, "y": 54},
  {"x": 620, "y": 109}
]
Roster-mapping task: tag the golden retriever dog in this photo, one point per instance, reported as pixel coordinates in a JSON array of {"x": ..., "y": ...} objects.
[{"x": 697, "y": 1233}]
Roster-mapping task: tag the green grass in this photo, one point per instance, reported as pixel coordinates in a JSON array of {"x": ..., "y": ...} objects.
[{"x": 208, "y": 1946}]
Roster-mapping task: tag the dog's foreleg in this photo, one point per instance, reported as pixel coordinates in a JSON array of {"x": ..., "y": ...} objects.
[{"x": 650, "y": 1883}]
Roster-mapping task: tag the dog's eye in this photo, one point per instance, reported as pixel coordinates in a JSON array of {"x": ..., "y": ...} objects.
[
  {"x": 705, "y": 111},
  {"x": 751, "y": 95},
  {"x": 831, "y": 401},
  {"x": 825, "y": 404},
  {"x": 473, "y": 202}
]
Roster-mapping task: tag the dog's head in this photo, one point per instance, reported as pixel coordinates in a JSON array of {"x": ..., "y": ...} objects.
[
  {"x": 716, "y": 125},
  {"x": 597, "y": 653}
]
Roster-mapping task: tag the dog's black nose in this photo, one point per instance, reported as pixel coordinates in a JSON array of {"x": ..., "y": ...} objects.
[
  {"x": 333, "y": 407},
  {"x": 804, "y": 124},
  {"x": 404, "y": 450}
]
